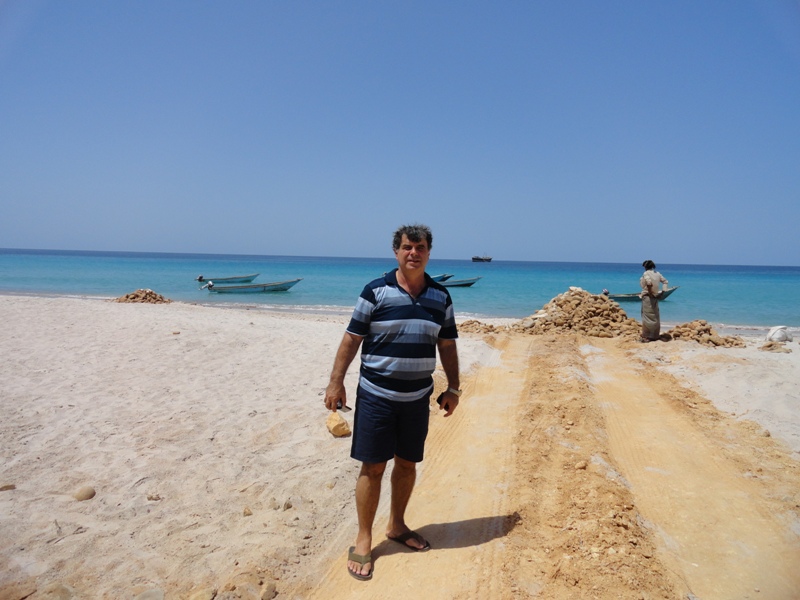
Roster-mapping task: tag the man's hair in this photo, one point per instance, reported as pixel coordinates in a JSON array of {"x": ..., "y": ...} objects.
[
  {"x": 649, "y": 265},
  {"x": 415, "y": 233}
]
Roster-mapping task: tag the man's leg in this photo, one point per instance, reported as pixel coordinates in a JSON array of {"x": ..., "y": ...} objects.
[
  {"x": 368, "y": 493},
  {"x": 404, "y": 475}
]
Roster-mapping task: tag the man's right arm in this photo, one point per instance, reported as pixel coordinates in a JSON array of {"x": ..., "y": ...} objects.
[{"x": 344, "y": 356}]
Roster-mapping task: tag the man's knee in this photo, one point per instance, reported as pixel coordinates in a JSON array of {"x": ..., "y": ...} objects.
[
  {"x": 373, "y": 470},
  {"x": 404, "y": 466}
]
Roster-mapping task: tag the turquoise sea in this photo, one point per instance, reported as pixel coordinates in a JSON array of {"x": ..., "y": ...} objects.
[{"x": 726, "y": 296}]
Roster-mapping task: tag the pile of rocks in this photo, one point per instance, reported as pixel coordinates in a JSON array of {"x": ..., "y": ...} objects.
[
  {"x": 578, "y": 311},
  {"x": 701, "y": 331},
  {"x": 575, "y": 310},
  {"x": 145, "y": 296}
]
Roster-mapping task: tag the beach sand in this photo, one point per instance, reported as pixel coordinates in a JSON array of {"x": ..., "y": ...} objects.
[{"x": 575, "y": 467}]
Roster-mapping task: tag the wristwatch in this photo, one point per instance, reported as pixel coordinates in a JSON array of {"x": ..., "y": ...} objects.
[{"x": 455, "y": 391}]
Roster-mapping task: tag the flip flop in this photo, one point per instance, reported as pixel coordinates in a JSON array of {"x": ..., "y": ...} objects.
[
  {"x": 402, "y": 539},
  {"x": 362, "y": 560}
]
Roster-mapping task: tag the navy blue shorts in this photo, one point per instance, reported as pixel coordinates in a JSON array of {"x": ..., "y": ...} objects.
[{"x": 384, "y": 428}]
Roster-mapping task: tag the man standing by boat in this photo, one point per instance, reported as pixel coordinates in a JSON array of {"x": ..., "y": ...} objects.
[
  {"x": 401, "y": 319},
  {"x": 650, "y": 281}
]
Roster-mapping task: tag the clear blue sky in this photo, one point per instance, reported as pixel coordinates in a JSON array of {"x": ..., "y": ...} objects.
[{"x": 560, "y": 131}]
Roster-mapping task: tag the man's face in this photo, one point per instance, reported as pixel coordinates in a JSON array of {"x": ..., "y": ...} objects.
[{"x": 412, "y": 256}]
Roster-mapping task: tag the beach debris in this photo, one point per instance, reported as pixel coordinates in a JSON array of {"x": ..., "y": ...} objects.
[
  {"x": 87, "y": 492},
  {"x": 576, "y": 310},
  {"x": 700, "y": 331},
  {"x": 775, "y": 347},
  {"x": 144, "y": 296},
  {"x": 779, "y": 334},
  {"x": 247, "y": 512},
  {"x": 8, "y": 487},
  {"x": 337, "y": 425}
]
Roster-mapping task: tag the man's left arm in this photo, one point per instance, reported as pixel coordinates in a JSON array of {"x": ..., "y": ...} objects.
[{"x": 448, "y": 354}]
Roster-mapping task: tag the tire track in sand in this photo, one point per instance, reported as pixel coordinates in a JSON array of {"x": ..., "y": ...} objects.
[
  {"x": 715, "y": 529},
  {"x": 460, "y": 502}
]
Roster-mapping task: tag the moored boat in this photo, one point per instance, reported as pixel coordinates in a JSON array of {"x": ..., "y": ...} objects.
[
  {"x": 233, "y": 279},
  {"x": 460, "y": 282},
  {"x": 275, "y": 286},
  {"x": 442, "y": 277},
  {"x": 483, "y": 258},
  {"x": 631, "y": 297}
]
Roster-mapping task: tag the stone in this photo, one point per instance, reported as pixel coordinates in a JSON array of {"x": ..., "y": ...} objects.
[
  {"x": 87, "y": 492},
  {"x": 337, "y": 425}
]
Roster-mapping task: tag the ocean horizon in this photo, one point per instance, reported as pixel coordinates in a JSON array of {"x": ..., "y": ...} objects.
[{"x": 727, "y": 296}]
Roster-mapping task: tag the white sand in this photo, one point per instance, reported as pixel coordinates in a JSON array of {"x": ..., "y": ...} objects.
[
  {"x": 183, "y": 418},
  {"x": 180, "y": 417},
  {"x": 746, "y": 383}
]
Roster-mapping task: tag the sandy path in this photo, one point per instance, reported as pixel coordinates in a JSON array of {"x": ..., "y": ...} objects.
[
  {"x": 460, "y": 503},
  {"x": 577, "y": 469},
  {"x": 716, "y": 529}
]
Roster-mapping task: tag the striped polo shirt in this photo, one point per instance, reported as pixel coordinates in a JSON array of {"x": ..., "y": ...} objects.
[{"x": 398, "y": 353}]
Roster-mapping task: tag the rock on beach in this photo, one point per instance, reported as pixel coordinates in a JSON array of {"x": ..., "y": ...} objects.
[{"x": 144, "y": 296}]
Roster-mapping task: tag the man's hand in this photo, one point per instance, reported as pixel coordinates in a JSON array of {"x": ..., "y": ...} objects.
[
  {"x": 335, "y": 394},
  {"x": 336, "y": 397},
  {"x": 449, "y": 402}
]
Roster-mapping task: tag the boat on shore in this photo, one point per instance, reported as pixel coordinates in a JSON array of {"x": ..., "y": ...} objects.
[
  {"x": 483, "y": 258},
  {"x": 460, "y": 282},
  {"x": 631, "y": 297},
  {"x": 233, "y": 279},
  {"x": 275, "y": 286}
]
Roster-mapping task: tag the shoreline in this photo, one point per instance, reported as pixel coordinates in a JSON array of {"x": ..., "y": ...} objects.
[{"x": 746, "y": 331}]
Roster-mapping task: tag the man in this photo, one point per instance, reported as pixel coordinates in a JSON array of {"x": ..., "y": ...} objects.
[
  {"x": 651, "y": 314},
  {"x": 401, "y": 319}
]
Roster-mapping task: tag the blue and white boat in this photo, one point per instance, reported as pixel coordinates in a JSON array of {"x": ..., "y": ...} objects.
[
  {"x": 275, "y": 286},
  {"x": 460, "y": 282},
  {"x": 233, "y": 279}
]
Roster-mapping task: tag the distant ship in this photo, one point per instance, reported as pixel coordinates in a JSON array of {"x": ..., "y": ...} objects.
[{"x": 483, "y": 258}]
